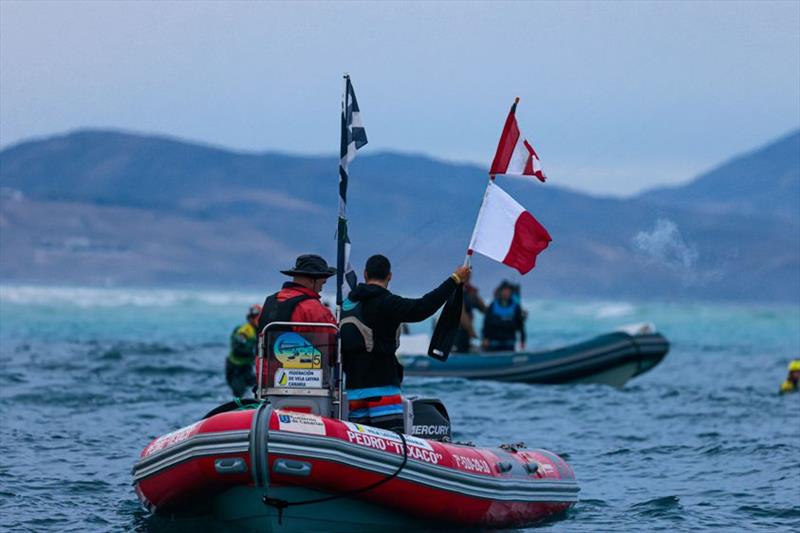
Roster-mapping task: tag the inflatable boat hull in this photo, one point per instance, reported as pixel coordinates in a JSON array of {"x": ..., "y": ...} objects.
[
  {"x": 610, "y": 359},
  {"x": 230, "y": 462}
]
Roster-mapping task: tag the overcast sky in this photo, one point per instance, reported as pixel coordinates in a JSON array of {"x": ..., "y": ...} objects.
[{"x": 616, "y": 97}]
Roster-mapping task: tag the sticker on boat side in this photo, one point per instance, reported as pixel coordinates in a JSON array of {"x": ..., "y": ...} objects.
[
  {"x": 390, "y": 435},
  {"x": 384, "y": 440},
  {"x": 472, "y": 464},
  {"x": 170, "y": 439},
  {"x": 301, "y": 423}
]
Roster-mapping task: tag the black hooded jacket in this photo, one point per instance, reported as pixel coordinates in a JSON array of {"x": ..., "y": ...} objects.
[{"x": 384, "y": 312}]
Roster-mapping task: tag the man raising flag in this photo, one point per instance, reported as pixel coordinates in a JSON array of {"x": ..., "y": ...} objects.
[{"x": 354, "y": 136}]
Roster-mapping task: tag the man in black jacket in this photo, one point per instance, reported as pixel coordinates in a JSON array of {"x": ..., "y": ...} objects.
[{"x": 370, "y": 324}]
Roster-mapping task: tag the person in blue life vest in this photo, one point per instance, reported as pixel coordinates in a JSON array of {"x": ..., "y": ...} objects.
[
  {"x": 370, "y": 325},
  {"x": 239, "y": 364},
  {"x": 503, "y": 319}
]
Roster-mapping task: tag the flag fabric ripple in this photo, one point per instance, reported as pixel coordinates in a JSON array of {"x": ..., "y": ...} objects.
[
  {"x": 506, "y": 232},
  {"x": 354, "y": 136},
  {"x": 515, "y": 155}
]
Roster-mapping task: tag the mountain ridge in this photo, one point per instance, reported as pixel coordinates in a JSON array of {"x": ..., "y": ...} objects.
[
  {"x": 161, "y": 195},
  {"x": 735, "y": 185}
]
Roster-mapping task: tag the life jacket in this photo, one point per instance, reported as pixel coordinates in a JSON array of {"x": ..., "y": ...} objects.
[
  {"x": 275, "y": 311},
  {"x": 242, "y": 352},
  {"x": 504, "y": 313}
]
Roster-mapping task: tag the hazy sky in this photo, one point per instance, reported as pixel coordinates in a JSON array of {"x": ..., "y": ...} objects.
[{"x": 615, "y": 96}]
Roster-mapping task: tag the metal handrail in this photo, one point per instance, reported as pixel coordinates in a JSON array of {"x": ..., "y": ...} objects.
[{"x": 321, "y": 325}]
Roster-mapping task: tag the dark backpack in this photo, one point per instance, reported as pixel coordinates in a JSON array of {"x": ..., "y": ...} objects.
[{"x": 275, "y": 311}]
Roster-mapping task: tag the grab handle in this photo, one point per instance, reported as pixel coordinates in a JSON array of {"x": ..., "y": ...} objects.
[
  {"x": 503, "y": 467},
  {"x": 230, "y": 465},
  {"x": 292, "y": 468}
]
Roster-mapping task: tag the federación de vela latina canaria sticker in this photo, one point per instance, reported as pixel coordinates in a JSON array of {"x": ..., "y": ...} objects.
[{"x": 298, "y": 378}]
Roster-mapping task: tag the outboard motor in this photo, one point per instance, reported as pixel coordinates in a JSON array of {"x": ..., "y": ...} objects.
[
  {"x": 298, "y": 370},
  {"x": 431, "y": 420}
]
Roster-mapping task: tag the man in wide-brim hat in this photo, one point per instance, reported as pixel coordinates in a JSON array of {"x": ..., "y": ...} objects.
[{"x": 299, "y": 299}]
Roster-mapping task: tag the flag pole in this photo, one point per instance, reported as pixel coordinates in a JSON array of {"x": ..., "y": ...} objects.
[
  {"x": 340, "y": 278},
  {"x": 468, "y": 257}
]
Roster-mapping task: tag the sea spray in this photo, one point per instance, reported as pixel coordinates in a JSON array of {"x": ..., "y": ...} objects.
[{"x": 665, "y": 246}]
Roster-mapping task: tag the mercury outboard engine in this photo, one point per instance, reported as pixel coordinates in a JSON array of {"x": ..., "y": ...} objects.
[{"x": 431, "y": 420}]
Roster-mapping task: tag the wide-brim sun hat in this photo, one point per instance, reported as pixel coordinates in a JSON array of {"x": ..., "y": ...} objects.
[{"x": 312, "y": 266}]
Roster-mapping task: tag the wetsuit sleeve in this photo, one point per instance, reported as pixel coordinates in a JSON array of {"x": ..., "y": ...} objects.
[
  {"x": 521, "y": 324},
  {"x": 418, "y": 309}
]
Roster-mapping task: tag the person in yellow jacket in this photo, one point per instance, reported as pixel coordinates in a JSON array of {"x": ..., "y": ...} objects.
[
  {"x": 239, "y": 365},
  {"x": 790, "y": 385}
]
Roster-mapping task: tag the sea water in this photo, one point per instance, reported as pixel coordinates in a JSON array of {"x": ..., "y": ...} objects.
[{"x": 702, "y": 442}]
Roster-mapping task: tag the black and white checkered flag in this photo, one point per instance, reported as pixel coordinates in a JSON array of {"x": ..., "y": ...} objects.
[{"x": 354, "y": 136}]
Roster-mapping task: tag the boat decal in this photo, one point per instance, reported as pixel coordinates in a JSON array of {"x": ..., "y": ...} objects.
[
  {"x": 171, "y": 439},
  {"x": 472, "y": 464},
  {"x": 388, "y": 435},
  {"x": 395, "y": 445},
  {"x": 300, "y": 423},
  {"x": 298, "y": 378},
  {"x": 296, "y": 352},
  {"x": 221, "y": 443}
]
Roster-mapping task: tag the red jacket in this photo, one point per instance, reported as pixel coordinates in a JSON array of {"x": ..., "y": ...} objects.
[{"x": 311, "y": 310}]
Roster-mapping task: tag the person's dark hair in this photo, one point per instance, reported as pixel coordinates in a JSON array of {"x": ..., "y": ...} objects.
[{"x": 378, "y": 267}]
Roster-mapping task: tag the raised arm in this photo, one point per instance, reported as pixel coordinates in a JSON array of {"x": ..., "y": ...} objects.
[{"x": 418, "y": 309}]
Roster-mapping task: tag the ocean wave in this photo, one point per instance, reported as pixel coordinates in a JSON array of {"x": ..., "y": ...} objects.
[
  {"x": 92, "y": 297},
  {"x": 601, "y": 310},
  {"x": 664, "y": 507}
]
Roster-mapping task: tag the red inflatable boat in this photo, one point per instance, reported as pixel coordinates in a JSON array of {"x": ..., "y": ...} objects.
[
  {"x": 272, "y": 467},
  {"x": 266, "y": 451}
]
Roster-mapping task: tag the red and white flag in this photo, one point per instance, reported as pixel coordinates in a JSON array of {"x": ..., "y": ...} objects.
[
  {"x": 515, "y": 155},
  {"x": 506, "y": 232}
]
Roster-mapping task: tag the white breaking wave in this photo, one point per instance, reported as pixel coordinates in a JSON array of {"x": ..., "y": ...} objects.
[
  {"x": 89, "y": 297},
  {"x": 614, "y": 310},
  {"x": 604, "y": 309}
]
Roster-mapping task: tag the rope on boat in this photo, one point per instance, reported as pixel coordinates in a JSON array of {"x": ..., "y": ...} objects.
[{"x": 281, "y": 504}]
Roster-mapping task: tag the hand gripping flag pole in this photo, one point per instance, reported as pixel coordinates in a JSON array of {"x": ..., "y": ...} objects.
[{"x": 353, "y": 137}]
